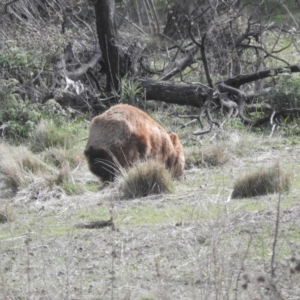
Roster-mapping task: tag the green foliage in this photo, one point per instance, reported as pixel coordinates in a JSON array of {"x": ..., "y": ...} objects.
[
  {"x": 72, "y": 188},
  {"x": 131, "y": 91},
  {"x": 293, "y": 130},
  {"x": 145, "y": 178},
  {"x": 261, "y": 182},
  {"x": 12, "y": 56},
  {"x": 286, "y": 92},
  {"x": 7, "y": 88},
  {"x": 46, "y": 126},
  {"x": 29, "y": 57},
  {"x": 18, "y": 116},
  {"x": 20, "y": 119}
]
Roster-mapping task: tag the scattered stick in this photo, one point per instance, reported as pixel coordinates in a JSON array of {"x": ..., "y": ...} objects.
[
  {"x": 96, "y": 224},
  {"x": 272, "y": 124},
  {"x": 188, "y": 123},
  {"x": 275, "y": 237}
]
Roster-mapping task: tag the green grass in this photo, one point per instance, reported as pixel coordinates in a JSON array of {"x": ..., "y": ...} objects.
[{"x": 49, "y": 134}]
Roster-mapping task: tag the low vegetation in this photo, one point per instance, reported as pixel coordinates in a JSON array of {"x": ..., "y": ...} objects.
[
  {"x": 263, "y": 181},
  {"x": 45, "y": 153},
  {"x": 212, "y": 155},
  {"x": 145, "y": 178},
  {"x": 229, "y": 230},
  {"x": 169, "y": 238}
]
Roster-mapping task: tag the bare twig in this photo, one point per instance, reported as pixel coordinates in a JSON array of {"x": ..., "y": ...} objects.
[
  {"x": 275, "y": 236},
  {"x": 272, "y": 124},
  {"x": 5, "y": 10},
  {"x": 95, "y": 224},
  {"x": 242, "y": 267}
]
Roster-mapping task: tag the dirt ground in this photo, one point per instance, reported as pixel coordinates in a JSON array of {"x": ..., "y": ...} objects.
[{"x": 196, "y": 243}]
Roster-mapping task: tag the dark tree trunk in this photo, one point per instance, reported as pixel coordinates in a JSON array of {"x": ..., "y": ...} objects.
[
  {"x": 115, "y": 61},
  {"x": 174, "y": 92}
]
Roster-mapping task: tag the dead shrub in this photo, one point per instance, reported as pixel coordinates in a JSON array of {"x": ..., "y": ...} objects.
[
  {"x": 266, "y": 180},
  {"x": 145, "y": 178}
]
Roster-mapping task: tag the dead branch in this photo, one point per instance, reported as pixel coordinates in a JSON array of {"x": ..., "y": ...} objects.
[
  {"x": 239, "y": 80},
  {"x": 175, "y": 67},
  {"x": 96, "y": 224}
]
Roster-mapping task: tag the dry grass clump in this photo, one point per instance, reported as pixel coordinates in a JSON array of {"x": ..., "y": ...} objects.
[
  {"x": 208, "y": 156},
  {"x": 48, "y": 135},
  {"x": 264, "y": 181},
  {"x": 19, "y": 167},
  {"x": 7, "y": 214},
  {"x": 145, "y": 178},
  {"x": 58, "y": 156},
  {"x": 17, "y": 164},
  {"x": 64, "y": 179}
]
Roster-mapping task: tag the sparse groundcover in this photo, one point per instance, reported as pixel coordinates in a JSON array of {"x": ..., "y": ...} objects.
[
  {"x": 265, "y": 180},
  {"x": 145, "y": 178},
  {"x": 178, "y": 241}
]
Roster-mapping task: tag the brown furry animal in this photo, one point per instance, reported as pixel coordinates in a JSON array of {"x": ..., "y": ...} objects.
[{"x": 126, "y": 134}]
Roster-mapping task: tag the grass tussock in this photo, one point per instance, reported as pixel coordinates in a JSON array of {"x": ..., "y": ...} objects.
[
  {"x": 208, "y": 156},
  {"x": 58, "y": 156},
  {"x": 47, "y": 135},
  {"x": 145, "y": 178},
  {"x": 266, "y": 180},
  {"x": 65, "y": 180},
  {"x": 17, "y": 164},
  {"x": 7, "y": 214},
  {"x": 19, "y": 167}
]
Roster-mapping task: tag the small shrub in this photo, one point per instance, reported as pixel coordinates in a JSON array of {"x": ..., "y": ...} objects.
[
  {"x": 131, "y": 91},
  {"x": 18, "y": 116},
  {"x": 286, "y": 92},
  {"x": 261, "y": 182},
  {"x": 145, "y": 178}
]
